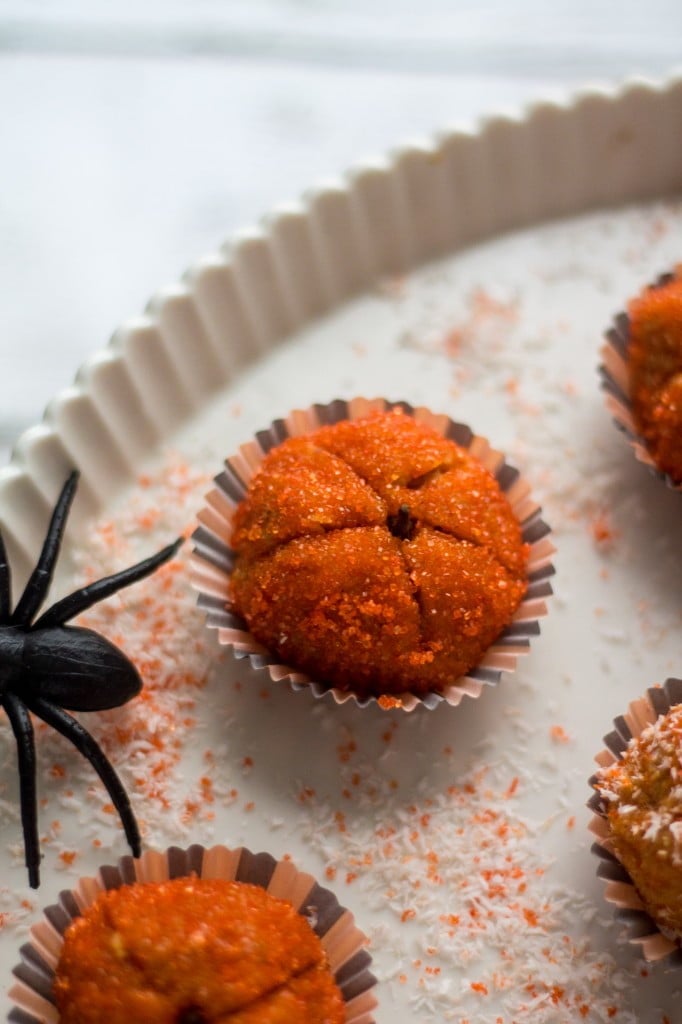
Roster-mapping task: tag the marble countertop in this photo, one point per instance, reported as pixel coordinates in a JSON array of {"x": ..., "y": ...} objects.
[{"x": 136, "y": 140}]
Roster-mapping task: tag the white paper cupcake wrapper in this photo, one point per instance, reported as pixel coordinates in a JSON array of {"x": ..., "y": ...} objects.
[
  {"x": 615, "y": 379},
  {"x": 619, "y": 888},
  {"x": 343, "y": 942},
  {"x": 212, "y": 560}
]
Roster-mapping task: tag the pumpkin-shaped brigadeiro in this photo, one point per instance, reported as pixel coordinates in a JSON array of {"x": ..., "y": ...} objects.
[
  {"x": 655, "y": 372},
  {"x": 194, "y": 951},
  {"x": 377, "y": 556}
]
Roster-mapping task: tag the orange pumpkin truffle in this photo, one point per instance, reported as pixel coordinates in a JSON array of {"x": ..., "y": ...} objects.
[
  {"x": 655, "y": 371},
  {"x": 377, "y": 556},
  {"x": 194, "y": 951},
  {"x": 642, "y": 797}
]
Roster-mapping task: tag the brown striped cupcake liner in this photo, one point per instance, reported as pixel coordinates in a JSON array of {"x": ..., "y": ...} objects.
[
  {"x": 342, "y": 941},
  {"x": 212, "y": 559},
  {"x": 619, "y": 889}
]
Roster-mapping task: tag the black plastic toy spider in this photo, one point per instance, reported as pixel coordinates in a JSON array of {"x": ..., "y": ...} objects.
[{"x": 46, "y": 666}]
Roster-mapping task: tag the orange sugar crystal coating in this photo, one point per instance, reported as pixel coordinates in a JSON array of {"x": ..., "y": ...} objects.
[
  {"x": 377, "y": 556},
  {"x": 655, "y": 367},
  {"x": 194, "y": 951},
  {"x": 643, "y": 797}
]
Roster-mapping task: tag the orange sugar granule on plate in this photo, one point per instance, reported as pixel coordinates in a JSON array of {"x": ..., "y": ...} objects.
[
  {"x": 655, "y": 368},
  {"x": 376, "y": 555},
  {"x": 462, "y": 872}
]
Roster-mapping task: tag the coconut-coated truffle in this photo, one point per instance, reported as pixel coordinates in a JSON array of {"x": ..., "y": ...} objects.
[{"x": 642, "y": 794}]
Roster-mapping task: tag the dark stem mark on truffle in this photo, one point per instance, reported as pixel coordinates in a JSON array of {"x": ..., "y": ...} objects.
[
  {"x": 402, "y": 525},
  {"x": 192, "y": 1015}
]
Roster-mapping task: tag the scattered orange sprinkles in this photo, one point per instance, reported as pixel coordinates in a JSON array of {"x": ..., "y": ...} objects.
[
  {"x": 160, "y": 631},
  {"x": 558, "y": 734},
  {"x": 485, "y": 313},
  {"x": 466, "y": 867},
  {"x": 512, "y": 787},
  {"x": 602, "y": 530}
]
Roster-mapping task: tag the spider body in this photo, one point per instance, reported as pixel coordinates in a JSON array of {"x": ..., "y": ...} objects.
[
  {"x": 47, "y": 667},
  {"x": 74, "y": 667}
]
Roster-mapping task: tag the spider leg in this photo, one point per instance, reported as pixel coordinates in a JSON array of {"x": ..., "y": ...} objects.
[
  {"x": 5, "y": 585},
  {"x": 41, "y": 577},
  {"x": 73, "y": 731},
  {"x": 80, "y": 600},
  {"x": 20, "y": 720}
]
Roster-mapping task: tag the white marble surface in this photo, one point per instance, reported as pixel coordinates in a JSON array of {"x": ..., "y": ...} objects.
[{"x": 137, "y": 137}]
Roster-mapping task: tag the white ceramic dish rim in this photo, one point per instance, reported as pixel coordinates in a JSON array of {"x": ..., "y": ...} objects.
[{"x": 604, "y": 147}]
